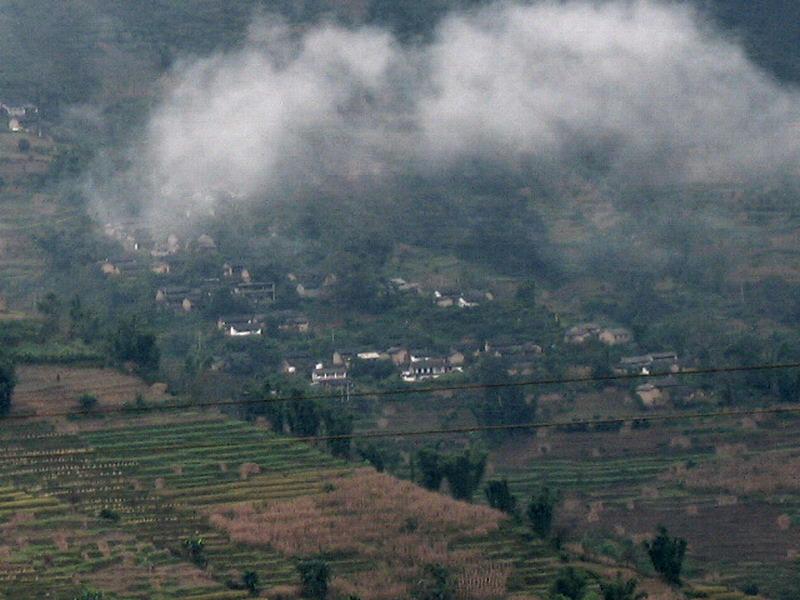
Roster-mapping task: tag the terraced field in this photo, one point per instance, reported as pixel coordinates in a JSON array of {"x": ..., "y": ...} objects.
[
  {"x": 743, "y": 525},
  {"x": 107, "y": 503},
  {"x": 162, "y": 481}
]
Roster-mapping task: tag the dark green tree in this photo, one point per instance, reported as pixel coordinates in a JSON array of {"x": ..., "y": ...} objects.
[
  {"x": 500, "y": 405},
  {"x": 8, "y": 380},
  {"x": 338, "y": 423},
  {"x": 50, "y": 306},
  {"x": 195, "y": 547},
  {"x": 83, "y": 322},
  {"x": 570, "y": 584},
  {"x": 464, "y": 472},
  {"x": 621, "y": 589},
  {"x": 373, "y": 454},
  {"x": 303, "y": 416},
  {"x": 541, "y": 510},
  {"x": 526, "y": 292},
  {"x": 667, "y": 553},
  {"x": 87, "y": 402},
  {"x": 436, "y": 583},
  {"x": 315, "y": 575},
  {"x": 250, "y": 581},
  {"x": 430, "y": 464},
  {"x": 129, "y": 343},
  {"x": 24, "y": 145},
  {"x": 499, "y": 496}
]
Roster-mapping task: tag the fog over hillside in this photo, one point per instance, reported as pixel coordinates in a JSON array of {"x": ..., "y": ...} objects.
[{"x": 642, "y": 91}]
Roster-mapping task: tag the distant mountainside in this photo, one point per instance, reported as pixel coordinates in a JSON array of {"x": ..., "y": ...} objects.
[
  {"x": 74, "y": 51},
  {"x": 770, "y": 30}
]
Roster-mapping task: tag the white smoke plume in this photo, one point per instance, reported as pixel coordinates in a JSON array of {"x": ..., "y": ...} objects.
[{"x": 647, "y": 86}]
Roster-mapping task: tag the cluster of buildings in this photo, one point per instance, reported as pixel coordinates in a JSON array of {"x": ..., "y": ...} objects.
[
  {"x": 412, "y": 365},
  {"x": 163, "y": 256},
  {"x": 21, "y": 116},
  {"x": 585, "y": 332}
]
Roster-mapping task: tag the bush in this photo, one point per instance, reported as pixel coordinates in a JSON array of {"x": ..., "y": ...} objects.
[
  {"x": 8, "y": 380},
  {"x": 87, "y": 402},
  {"x": 666, "y": 553},
  {"x": 431, "y": 469},
  {"x": 109, "y": 515},
  {"x": 314, "y": 578},
  {"x": 195, "y": 547},
  {"x": 541, "y": 510},
  {"x": 464, "y": 473},
  {"x": 436, "y": 584},
  {"x": 620, "y": 589},
  {"x": 569, "y": 584},
  {"x": 250, "y": 581},
  {"x": 499, "y": 496},
  {"x": 24, "y": 145}
]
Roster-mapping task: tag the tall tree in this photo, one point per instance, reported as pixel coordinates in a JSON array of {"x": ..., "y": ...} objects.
[
  {"x": 570, "y": 584},
  {"x": 338, "y": 423},
  {"x": 667, "y": 553},
  {"x": 500, "y": 405},
  {"x": 464, "y": 472},
  {"x": 429, "y": 461},
  {"x": 303, "y": 416},
  {"x": 314, "y": 577},
  {"x": 499, "y": 496},
  {"x": 621, "y": 589},
  {"x": 541, "y": 510},
  {"x": 8, "y": 379}
]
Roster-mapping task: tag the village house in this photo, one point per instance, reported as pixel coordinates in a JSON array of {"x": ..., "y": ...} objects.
[
  {"x": 471, "y": 299},
  {"x": 612, "y": 336},
  {"x": 649, "y": 394},
  {"x": 582, "y": 333},
  {"x": 372, "y": 355},
  {"x": 312, "y": 286},
  {"x": 445, "y": 298},
  {"x": 520, "y": 357},
  {"x": 398, "y": 355},
  {"x": 205, "y": 243},
  {"x": 474, "y": 298},
  {"x": 167, "y": 247},
  {"x": 463, "y": 352},
  {"x": 655, "y": 362},
  {"x": 329, "y": 376},
  {"x": 258, "y": 292},
  {"x": 19, "y": 109},
  {"x": 423, "y": 369},
  {"x": 294, "y": 324},
  {"x": 180, "y": 299},
  {"x": 236, "y": 271},
  {"x": 456, "y": 358},
  {"x": 511, "y": 350},
  {"x": 343, "y": 357},
  {"x": 21, "y": 115},
  {"x": 120, "y": 266},
  {"x": 160, "y": 267},
  {"x": 400, "y": 285},
  {"x": 242, "y": 325},
  {"x": 296, "y": 363},
  {"x": 244, "y": 329}
]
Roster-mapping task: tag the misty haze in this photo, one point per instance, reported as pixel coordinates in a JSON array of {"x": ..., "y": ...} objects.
[{"x": 361, "y": 299}]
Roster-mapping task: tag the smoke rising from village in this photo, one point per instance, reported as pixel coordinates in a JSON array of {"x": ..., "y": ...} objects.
[{"x": 647, "y": 89}]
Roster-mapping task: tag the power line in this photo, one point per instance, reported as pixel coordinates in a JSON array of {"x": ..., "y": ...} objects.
[
  {"x": 374, "y": 434},
  {"x": 408, "y": 391}
]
